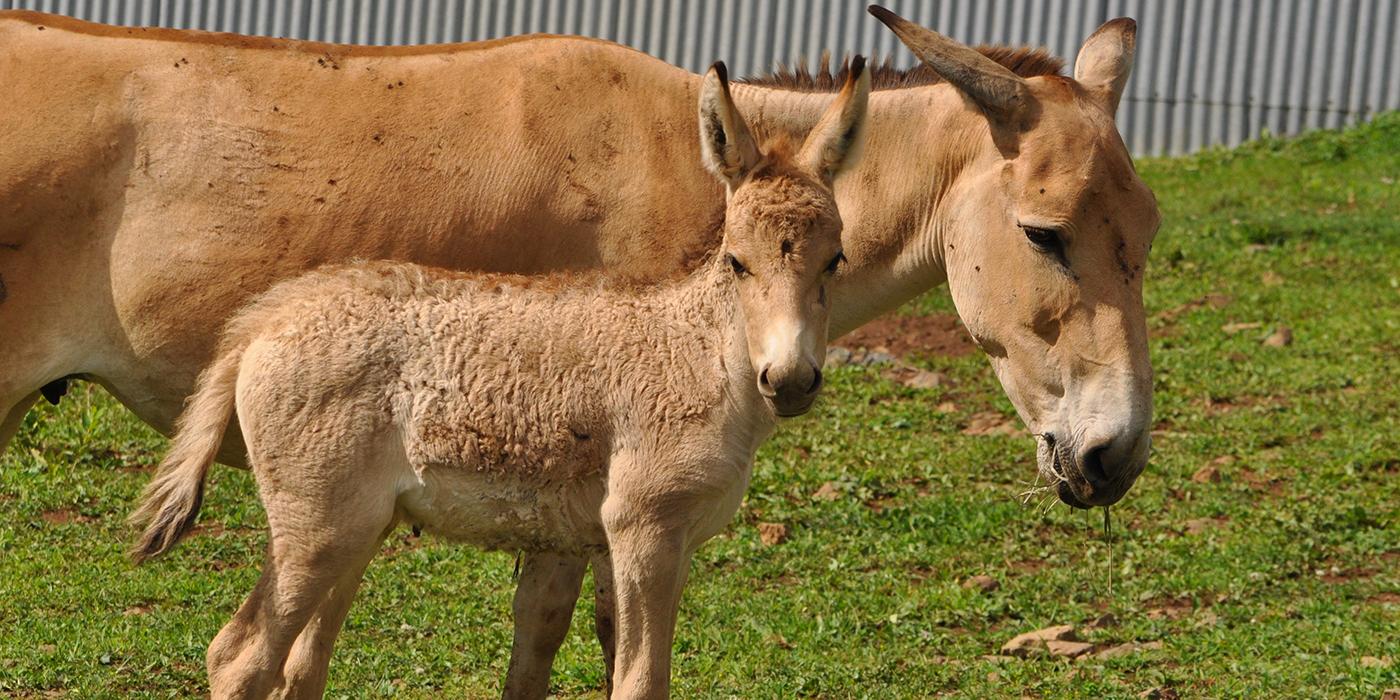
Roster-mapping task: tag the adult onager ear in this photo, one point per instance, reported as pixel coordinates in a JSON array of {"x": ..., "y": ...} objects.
[
  {"x": 726, "y": 144},
  {"x": 991, "y": 85},
  {"x": 833, "y": 141},
  {"x": 1106, "y": 59}
]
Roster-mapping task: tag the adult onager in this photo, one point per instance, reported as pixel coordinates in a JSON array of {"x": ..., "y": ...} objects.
[{"x": 513, "y": 413}]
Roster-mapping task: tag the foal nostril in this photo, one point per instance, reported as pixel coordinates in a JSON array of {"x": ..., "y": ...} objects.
[
  {"x": 1093, "y": 469},
  {"x": 816, "y": 381},
  {"x": 763, "y": 384}
]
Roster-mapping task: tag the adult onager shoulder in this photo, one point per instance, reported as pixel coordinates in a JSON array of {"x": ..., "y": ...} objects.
[{"x": 544, "y": 415}]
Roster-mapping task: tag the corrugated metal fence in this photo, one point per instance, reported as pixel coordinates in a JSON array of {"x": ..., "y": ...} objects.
[{"x": 1208, "y": 71}]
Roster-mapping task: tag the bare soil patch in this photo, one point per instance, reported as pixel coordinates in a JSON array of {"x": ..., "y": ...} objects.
[{"x": 910, "y": 336}]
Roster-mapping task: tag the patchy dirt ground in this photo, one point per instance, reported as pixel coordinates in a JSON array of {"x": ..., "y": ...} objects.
[{"x": 909, "y": 336}]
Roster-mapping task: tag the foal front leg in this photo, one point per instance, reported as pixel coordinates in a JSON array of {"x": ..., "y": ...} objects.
[
  {"x": 649, "y": 566},
  {"x": 544, "y": 606}
]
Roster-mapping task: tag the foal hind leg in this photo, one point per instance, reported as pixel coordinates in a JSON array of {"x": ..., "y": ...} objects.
[
  {"x": 605, "y": 614},
  {"x": 326, "y": 523},
  {"x": 304, "y": 674},
  {"x": 544, "y": 606}
]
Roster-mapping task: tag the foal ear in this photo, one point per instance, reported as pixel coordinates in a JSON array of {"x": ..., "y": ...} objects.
[
  {"x": 1106, "y": 59},
  {"x": 726, "y": 145},
  {"x": 831, "y": 145}
]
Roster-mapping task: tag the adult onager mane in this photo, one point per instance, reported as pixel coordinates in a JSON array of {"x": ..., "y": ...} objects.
[{"x": 544, "y": 418}]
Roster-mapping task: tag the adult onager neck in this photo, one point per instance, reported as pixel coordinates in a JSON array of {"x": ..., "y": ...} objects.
[
  {"x": 168, "y": 176},
  {"x": 515, "y": 413}
]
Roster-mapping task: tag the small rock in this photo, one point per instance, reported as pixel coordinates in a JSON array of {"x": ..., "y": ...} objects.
[
  {"x": 827, "y": 492},
  {"x": 1029, "y": 643},
  {"x": 990, "y": 423},
  {"x": 1375, "y": 662},
  {"x": 1281, "y": 337},
  {"x": 986, "y": 584},
  {"x": 1125, "y": 649},
  {"x": 837, "y": 356},
  {"x": 1067, "y": 649},
  {"x": 1207, "y": 475},
  {"x": 771, "y": 534},
  {"x": 924, "y": 379},
  {"x": 1219, "y": 301},
  {"x": 1104, "y": 620},
  {"x": 1233, "y": 328},
  {"x": 877, "y": 357}
]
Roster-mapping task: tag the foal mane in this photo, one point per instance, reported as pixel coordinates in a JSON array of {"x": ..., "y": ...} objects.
[{"x": 1024, "y": 61}]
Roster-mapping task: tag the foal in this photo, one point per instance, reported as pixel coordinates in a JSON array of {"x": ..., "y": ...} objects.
[{"x": 528, "y": 415}]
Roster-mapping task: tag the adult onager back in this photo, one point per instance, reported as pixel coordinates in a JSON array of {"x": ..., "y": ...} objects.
[
  {"x": 166, "y": 177},
  {"x": 543, "y": 415}
]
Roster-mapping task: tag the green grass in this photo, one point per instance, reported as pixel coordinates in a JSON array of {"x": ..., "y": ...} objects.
[{"x": 1293, "y": 581}]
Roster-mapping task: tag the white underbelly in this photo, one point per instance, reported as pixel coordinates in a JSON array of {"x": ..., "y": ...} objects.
[{"x": 496, "y": 511}]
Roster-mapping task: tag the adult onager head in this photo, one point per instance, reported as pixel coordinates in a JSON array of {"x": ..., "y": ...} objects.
[
  {"x": 562, "y": 416},
  {"x": 1047, "y": 272}
]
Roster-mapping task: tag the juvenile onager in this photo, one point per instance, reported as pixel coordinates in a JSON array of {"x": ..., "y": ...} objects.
[{"x": 544, "y": 415}]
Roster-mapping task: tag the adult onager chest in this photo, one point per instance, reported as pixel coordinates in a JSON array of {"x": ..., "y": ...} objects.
[{"x": 514, "y": 413}]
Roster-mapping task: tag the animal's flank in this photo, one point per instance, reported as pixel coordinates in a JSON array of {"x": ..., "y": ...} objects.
[{"x": 1024, "y": 61}]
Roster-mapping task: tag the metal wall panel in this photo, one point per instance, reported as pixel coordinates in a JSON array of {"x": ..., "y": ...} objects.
[{"x": 1208, "y": 72}]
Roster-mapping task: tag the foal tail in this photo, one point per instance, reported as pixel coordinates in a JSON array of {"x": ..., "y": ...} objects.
[{"x": 171, "y": 502}]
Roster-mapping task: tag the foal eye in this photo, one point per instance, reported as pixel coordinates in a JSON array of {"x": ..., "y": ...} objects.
[
  {"x": 1046, "y": 239},
  {"x": 836, "y": 262},
  {"x": 734, "y": 264}
]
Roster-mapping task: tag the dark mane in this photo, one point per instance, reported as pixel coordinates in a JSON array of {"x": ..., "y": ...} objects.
[{"x": 1023, "y": 61}]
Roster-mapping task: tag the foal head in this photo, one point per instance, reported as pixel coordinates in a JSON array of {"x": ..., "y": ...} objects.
[{"x": 782, "y": 233}]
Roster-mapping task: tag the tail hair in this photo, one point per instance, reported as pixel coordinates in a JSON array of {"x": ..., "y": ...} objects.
[{"x": 171, "y": 502}]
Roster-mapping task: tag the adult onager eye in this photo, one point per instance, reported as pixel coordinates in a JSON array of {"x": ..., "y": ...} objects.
[
  {"x": 1044, "y": 238},
  {"x": 738, "y": 267},
  {"x": 835, "y": 263}
]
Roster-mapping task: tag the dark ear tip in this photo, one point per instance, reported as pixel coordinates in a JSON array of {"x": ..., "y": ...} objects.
[
  {"x": 882, "y": 14},
  {"x": 857, "y": 67},
  {"x": 721, "y": 71}
]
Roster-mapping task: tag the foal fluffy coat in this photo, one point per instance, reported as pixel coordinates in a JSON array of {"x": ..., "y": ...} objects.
[{"x": 546, "y": 415}]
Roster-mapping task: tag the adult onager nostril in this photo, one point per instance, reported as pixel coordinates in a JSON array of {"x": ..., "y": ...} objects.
[
  {"x": 1092, "y": 467},
  {"x": 816, "y": 381}
]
